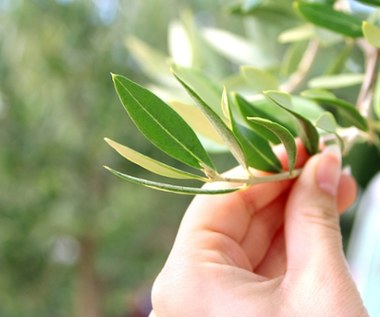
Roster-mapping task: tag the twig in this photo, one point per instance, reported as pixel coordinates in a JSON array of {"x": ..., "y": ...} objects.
[
  {"x": 366, "y": 94},
  {"x": 304, "y": 66},
  {"x": 263, "y": 179}
]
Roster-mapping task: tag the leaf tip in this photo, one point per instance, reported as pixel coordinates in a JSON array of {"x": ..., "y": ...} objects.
[{"x": 113, "y": 76}]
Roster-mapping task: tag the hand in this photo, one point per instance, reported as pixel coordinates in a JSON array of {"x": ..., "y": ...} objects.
[{"x": 273, "y": 249}]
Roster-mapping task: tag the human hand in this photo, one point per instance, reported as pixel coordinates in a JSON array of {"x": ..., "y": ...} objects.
[{"x": 273, "y": 249}]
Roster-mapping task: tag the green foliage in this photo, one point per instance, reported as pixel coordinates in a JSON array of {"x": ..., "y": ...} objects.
[
  {"x": 324, "y": 15},
  {"x": 260, "y": 105},
  {"x": 161, "y": 124}
]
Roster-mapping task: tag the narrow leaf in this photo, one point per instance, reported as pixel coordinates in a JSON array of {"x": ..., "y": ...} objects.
[
  {"x": 347, "y": 110},
  {"x": 371, "y": 34},
  {"x": 217, "y": 122},
  {"x": 257, "y": 151},
  {"x": 151, "y": 164},
  {"x": 283, "y": 134},
  {"x": 375, "y": 3},
  {"x": 161, "y": 124},
  {"x": 327, "y": 122},
  {"x": 325, "y": 16},
  {"x": 266, "y": 109},
  {"x": 377, "y": 99},
  {"x": 259, "y": 79},
  {"x": 204, "y": 86},
  {"x": 299, "y": 33},
  {"x": 172, "y": 188},
  {"x": 336, "y": 81},
  {"x": 197, "y": 120},
  {"x": 306, "y": 130}
]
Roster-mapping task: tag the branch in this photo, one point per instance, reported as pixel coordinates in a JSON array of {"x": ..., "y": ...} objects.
[
  {"x": 372, "y": 56},
  {"x": 304, "y": 66},
  {"x": 253, "y": 180}
]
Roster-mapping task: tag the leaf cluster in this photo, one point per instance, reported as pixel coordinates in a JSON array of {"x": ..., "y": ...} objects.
[{"x": 248, "y": 113}]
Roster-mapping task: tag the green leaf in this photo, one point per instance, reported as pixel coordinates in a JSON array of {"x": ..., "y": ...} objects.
[
  {"x": 377, "y": 98},
  {"x": 299, "y": 33},
  {"x": 283, "y": 134},
  {"x": 172, "y": 188},
  {"x": 266, "y": 109},
  {"x": 220, "y": 126},
  {"x": 347, "y": 110},
  {"x": 327, "y": 122},
  {"x": 371, "y": 34},
  {"x": 259, "y": 79},
  {"x": 306, "y": 130},
  {"x": 375, "y": 3},
  {"x": 161, "y": 124},
  {"x": 325, "y": 16},
  {"x": 197, "y": 120},
  {"x": 257, "y": 151},
  {"x": 336, "y": 81},
  {"x": 207, "y": 90},
  {"x": 151, "y": 164},
  {"x": 292, "y": 58}
]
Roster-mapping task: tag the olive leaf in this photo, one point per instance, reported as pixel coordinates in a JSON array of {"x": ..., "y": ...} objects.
[
  {"x": 296, "y": 34},
  {"x": 257, "y": 151},
  {"x": 160, "y": 124},
  {"x": 336, "y": 81},
  {"x": 197, "y": 121},
  {"x": 150, "y": 164},
  {"x": 259, "y": 79},
  {"x": 327, "y": 123},
  {"x": 347, "y": 110},
  {"x": 220, "y": 126},
  {"x": 325, "y": 16},
  {"x": 207, "y": 90},
  {"x": 306, "y": 129},
  {"x": 172, "y": 188},
  {"x": 371, "y": 34},
  {"x": 370, "y": 2},
  {"x": 266, "y": 109},
  {"x": 283, "y": 134}
]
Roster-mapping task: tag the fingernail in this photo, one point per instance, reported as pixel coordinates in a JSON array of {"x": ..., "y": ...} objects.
[{"x": 329, "y": 169}]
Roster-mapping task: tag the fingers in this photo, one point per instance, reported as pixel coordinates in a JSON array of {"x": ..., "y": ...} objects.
[
  {"x": 274, "y": 263},
  {"x": 312, "y": 221},
  {"x": 263, "y": 227},
  {"x": 230, "y": 214},
  {"x": 347, "y": 192}
]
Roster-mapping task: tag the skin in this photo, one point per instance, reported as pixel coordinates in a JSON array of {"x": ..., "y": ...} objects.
[{"x": 273, "y": 249}]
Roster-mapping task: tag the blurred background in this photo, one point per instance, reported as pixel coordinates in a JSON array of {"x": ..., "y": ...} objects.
[{"x": 74, "y": 240}]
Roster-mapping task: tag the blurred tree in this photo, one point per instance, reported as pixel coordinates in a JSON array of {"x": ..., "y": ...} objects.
[{"x": 73, "y": 240}]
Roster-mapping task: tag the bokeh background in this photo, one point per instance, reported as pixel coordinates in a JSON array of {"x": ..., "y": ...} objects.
[{"x": 74, "y": 240}]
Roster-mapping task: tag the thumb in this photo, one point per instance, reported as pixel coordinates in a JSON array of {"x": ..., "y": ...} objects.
[{"x": 312, "y": 222}]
